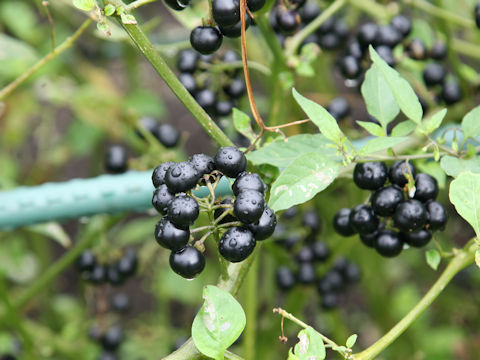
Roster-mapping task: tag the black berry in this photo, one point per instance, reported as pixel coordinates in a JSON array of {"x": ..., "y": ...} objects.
[
  {"x": 309, "y": 12},
  {"x": 305, "y": 255},
  {"x": 183, "y": 210},
  {"x": 97, "y": 275},
  {"x": 86, "y": 261},
  {"x": 426, "y": 187},
  {"x": 188, "y": 81},
  {"x": 113, "y": 276},
  {"x": 370, "y": 175},
  {"x": 207, "y": 99},
  {"x": 417, "y": 50},
  {"x": 399, "y": 173},
  {"x": 321, "y": 252},
  {"x": 248, "y": 206},
  {"x": 169, "y": 236},
  {"x": 306, "y": 273},
  {"x": 451, "y": 92},
  {"x": 329, "y": 301},
  {"x": 230, "y": 161},
  {"x": 187, "y": 61},
  {"x": 350, "y": 67},
  {"x": 385, "y": 200},
  {"x": 339, "y": 108},
  {"x": 223, "y": 107},
  {"x": 285, "y": 278},
  {"x": 181, "y": 177},
  {"x": 402, "y": 24},
  {"x": 120, "y": 302},
  {"x": 410, "y": 216},
  {"x": 368, "y": 34},
  {"x": 158, "y": 175},
  {"x": 112, "y": 338},
  {"x": 388, "y": 243},
  {"x": 369, "y": 239},
  {"x": 235, "y": 30},
  {"x": 255, "y": 5},
  {"x": 389, "y": 36},
  {"x": 226, "y": 12},
  {"x": 235, "y": 89},
  {"x": 437, "y": 216},
  {"x": 206, "y": 39},
  {"x": 438, "y": 51},
  {"x": 434, "y": 74},
  {"x": 236, "y": 244},
  {"x": 355, "y": 49},
  {"x": 187, "y": 262},
  {"x": 418, "y": 238},
  {"x": 341, "y": 223},
  {"x": 127, "y": 264},
  {"x": 204, "y": 164},
  {"x": 168, "y": 135},
  {"x": 363, "y": 220},
  {"x": 248, "y": 181},
  {"x": 386, "y": 54},
  {"x": 265, "y": 226},
  {"x": 162, "y": 198},
  {"x": 311, "y": 221},
  {"x": 287, "y": 20},
  {"x": 116, "y": 159}
]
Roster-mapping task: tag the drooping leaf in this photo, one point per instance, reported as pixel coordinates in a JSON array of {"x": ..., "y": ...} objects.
[
  {"x": 241, "y": 121},
  {"x": 453, "y": 166},
  {"x": 310, "y": 346},
  {"x": 372, "y": 128},
  {"x": 471, "y": 123},
  {"x": 378, "y": 97},
  {"x": 404, "y": 95},
  {"x": 380, "y": 143},
  {"x": 352, "y": 339},
  {"x": 465, "y": 196},
  {"x": 433, "y": 258},
  {"x": 305, "y": 177},
  {"x": 218, "y": 323}
]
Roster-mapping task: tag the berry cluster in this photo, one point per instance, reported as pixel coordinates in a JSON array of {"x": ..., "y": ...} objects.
[
  {"x": 415, "y": 214},
  {"x": 217, "y": 95},
  {"x": 246, "y": 218},
  {"x": 116, "y": 273},
  {"x": 110, "y": 340},
  {"x": 308, "y": 255}
]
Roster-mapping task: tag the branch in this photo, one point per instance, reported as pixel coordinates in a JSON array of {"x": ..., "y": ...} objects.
[
  {"x": 461, "y": 260},
  {"x": 47, "y": 58}
]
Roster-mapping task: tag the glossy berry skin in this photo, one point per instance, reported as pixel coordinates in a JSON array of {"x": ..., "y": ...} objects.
[
  {"x": 206, "y": 39},
  {"x": 230, "y": 161},
  {"x": 187, "y": 61},
  {"x": 120, "y": 303},
  {"x": 437, "y": 216},
  {"x": 265, "y": 226},
  {"x": 329, "y": 301},
  {"x": 220, "y": 211},
  {"x": 168, "y": 135},
  {"x": 370, "y": 175},
  {"x": 248, "y": 206},
  {"x": 285, "y": 278},
  {"x": 86, "y": 261},
  {"x": 181, "y": 177},
  {"x": 306, "y": 273},
  {"x": 223, "y": 108},
  {"x": 113, "y": 276},
  {"x": 341, "y": 223},
  {"x": 434, "y": 74},
  {"x": 112, "y": 338},
  {"x": 410, "y": 215},
  {"x": 116, "y": 159},
  {"x": 355, "y": 49},
  {"x": 187, "y": 262},
  {"x": 236, "y": 244},
  {"x": 320, "y": 250},
  {"x": 97, "y": 275},
  {"x": 351, "y": 274},
  {"x": 235, "y": 89},
  {"x": 189, "y": 82},
  {"x": 127, "y": 264},
  {"x": 248, "y": 181},
  {"x": 438, "y": 51},
  {"x": 339, "y": 108},
  {"x": 367, "y": 34},
  {"x": 451, "y": 93},
  {"x": 169, "y": 236},
  {"x": 363, "y": 220},
  {"x": 182, "y": 211},
  {"x": 331, "y": 282},
  {"x": 309, "y": 12},
  {"x": 426, "y": 187},
  {"x": 350, "y": 67},
  {"x": 388, "y": 243},
  {"x": 386, "y": 54},
  {"x": 341, "y": 29},
  {"x": 207, "y": 99},
  {"x": 305, "y": 255},
  {"x": 255, "y": 5},
  {"x": 204, "y": 164},
  {"x": 235, "y": 30},
  {"x": 329, "y": 41},
  {"x": 290, "y": 213},
  {"x": 158, "y": 175},
  {"x": 287, "y": 20},
  {"x": 311, "y": 221},
  {"x": 369, "y": 239},
  {"x": 389, "y": 36},
  {"x": 385, "y": 200},
  {"x": 399, "y": 172},
  {"x": 162, "y": 198},
  {"x": 418, "y": 238},
  {"x": 226, "y": 12},
  {"x": 417, "y": 50},
  {"x": 402, "y": 24}
]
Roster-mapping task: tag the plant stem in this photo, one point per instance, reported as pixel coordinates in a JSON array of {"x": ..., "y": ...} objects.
[
  {"x": 294, "y": 43},
  {"x": 136, "y": 4},
  {"x": 465, "y": 48},
  {"x": 372, "y": 8},
  {"x": 461, "y": 260},
  {"x": 161, "y": 67},
  {"x": 47, "y": 58},
  {"x": 251, "y": 304},
  {"x": 238, "y": 65},
  {"x": 271, "y": 39},
  {"x": 441, "y": 13}
]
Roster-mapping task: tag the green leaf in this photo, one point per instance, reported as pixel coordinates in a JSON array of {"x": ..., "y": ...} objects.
[
  {"x": 433, "y": 123},
  {"x": 404, "y": 95},
  {"x": 453, "y": 166},
  {"x": 109, "y": 10},
  {"x": 128, "y": 19},
  {"x": 219, "y": 322},
  {"x": 471, "y": 123},
  {"x": 241, "y": 121},
  {"x": 340, "y": 349},
  {"x": 372, "y": 128},
  {"x": 292, "y": 356},
  {"x": 380, "y": 143},
  {"x": 281, "y": 153},
  {"x": 378, "y": 97},
  {"x": 352, "y": 339},
  {"x": 433, "y": 258},
  {"x": 310, "y": 346},
  {"x": 320, "y": 116},
  {"x": 85, "y": 5},
  {"x": 422, "y": 30},
  {"x": 465, "y": 196},
  {"x": 404, "y": 128},
  {"x": 305, "y": 177}
]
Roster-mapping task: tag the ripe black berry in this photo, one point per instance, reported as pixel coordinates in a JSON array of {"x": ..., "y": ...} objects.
[
  {"x": 248, "y": 206},
  {"x": 339, "y": 108},
  {"x": 236, "y": 244},
  {"x": 285, "y": 278},
  {"x": 437, "y": 216},
  {"x": 158, "y": 175},
  {"x": 329, "y": 301},
  {"x": 220, "y": 211},
  {"x": 97, "y": 275},
  {"x": 369, "y": 239},
  {"x": 350, "y": 67},
  {"x": 309, "y": 12},
  {"x": 181, "y": 177},
  {"x": 168, "y": 135},
  {"x": 187, "y": 61},
  {"x": 86, "y": 261},
  {"x": 207, "y": 99},
  {"x": 206, "y": 39},
  {"x": 389, "y": 36},
  {"x": 341, "y": 29},
  {"x": 223, "y": 108},
  {"x": 426, "y": 187},
  {"x": 388, "y": 243},
  {"x": 113, "y": 276},
  {"x": 331, "y": 282},
  {"x": 326, "y": 27},
  {"x": 120, "y": 302},
  {"x": 451, "y": 93},
  {"x": 305, "y": 254},
  {"x": 386, "y": 199},
  {"x": 368, "y": 34},
  {"x": 399, "y": 172},
  {"x": 311, "y": 221},
  {"x": 402, "y": 24},
  {"x": 230, "y": 161},
  {"x": 418, "y": 238},
  {"x": 434, "y": 74},
  {"x": 265, "y": 226},
  {"x": 417, "y": 50},
  {"x": 169, "y": 236},
  {"x": 204, "y": 164},
  {"x": 187, "y": 262},
  {"x": 410, "y": 215},
  {"x": 386, "y": 54},
  {"x": 248, "y": 181},
  {"x": 351, "y": 273},
  {"x": 175, "y": 5},
  {"x": 363, "y": 220},
  {"x": 438, "y": 51},
  {"x": 306, "y": 273},
  {"x": 226, "y": 12},
  {"x": 235, "y": 30},
  {"x": 116, "y": 159},
  {"x": 290, "y": 213},
  {"x": 329, "y": 41},
  {"x": 127, "y": 264},
  {"x": 287, "y": 20},
  {"x": 341, "y": 222},
  {"x": 189, "y": 82},
  {"x": 355, "y": 49},
  {"x": 162, "y": 198},
  {"x": 321, "y": 252},
  {"x": 370, "y": 175},
  {"x": 112, "y": 338},
  {"x": 255, "y": 5},
  {"x": 235, "y": 89},
  {"x": 183, "y": 210}
]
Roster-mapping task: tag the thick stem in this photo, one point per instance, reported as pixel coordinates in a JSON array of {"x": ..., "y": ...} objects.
[
  {"x": 47, "y": 58},
  {"x": 462, "y": 259}
]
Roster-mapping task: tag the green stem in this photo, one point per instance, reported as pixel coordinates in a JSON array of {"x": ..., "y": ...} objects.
[
  {"x": 461, "y": 260},
  {"x": 161, "y": 67},
  {"x": 271, "y": 40},
  {"x": 372, "y": 8},
  {"x": 136, "y": 4},
  {"x": 442, "y": 13},
  {"x": 238, "y": 65},
  {"x": 465, "y": 48},
  {"x": 294, "y": 42},
  {"x": 47, "y": 58},
  {"x": 251, "y": 304}
]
